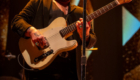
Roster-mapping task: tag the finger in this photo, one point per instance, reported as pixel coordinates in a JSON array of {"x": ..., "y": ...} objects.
[
  {"x": 78, "y": 23},
  {"x": 34, "y": 41},
  {"x": 35, "y": 38},
  {"x": 81, "y": 19},
  {"x": 39, "y": 42},
  {"x": 87, "y": 25},
  {"x": 44, "y": 42}
]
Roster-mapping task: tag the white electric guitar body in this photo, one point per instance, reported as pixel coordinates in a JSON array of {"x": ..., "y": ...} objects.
[
  {"x": 56, "y": 34},
  {"x": 57, "y": 44}
]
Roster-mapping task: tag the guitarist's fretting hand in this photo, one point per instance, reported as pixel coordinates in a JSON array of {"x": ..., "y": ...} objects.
[
  {"x": 79, "y": 25},
  {"x": 37, "y": 38}
]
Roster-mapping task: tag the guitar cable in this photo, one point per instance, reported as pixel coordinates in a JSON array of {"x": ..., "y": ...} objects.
[{"x": 24, "y": 67}]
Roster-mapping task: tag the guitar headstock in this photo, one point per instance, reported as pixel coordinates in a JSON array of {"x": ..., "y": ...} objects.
[{"x": 123, "y": 1}]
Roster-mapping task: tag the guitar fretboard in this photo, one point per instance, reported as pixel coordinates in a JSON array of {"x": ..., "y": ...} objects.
[{"x": 97, "y": 13}]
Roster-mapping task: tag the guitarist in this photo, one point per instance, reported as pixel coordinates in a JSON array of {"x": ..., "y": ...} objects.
[{"x": 38, "y": 14}]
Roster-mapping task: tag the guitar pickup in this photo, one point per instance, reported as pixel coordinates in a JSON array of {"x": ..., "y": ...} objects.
[{"x": 43, "y": 56}]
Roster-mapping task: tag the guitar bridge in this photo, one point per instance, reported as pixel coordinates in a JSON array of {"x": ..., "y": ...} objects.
[{"x": 43, "y": 56}]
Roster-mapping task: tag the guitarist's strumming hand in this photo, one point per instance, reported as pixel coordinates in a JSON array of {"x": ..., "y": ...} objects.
[
  {"x": 79, "y": 25},
  {"x": 37, "y": 38}
]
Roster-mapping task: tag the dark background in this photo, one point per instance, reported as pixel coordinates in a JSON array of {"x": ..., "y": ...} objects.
[{"x": 104, "y": 64}]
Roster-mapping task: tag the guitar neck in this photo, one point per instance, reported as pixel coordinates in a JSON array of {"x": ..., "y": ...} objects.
[
  {"x": 102, "y": 10},
  {"x": 97, "y": 13}
]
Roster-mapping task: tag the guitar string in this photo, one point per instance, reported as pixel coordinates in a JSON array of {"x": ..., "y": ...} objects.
[
  {"x": 90, "y": 16},
  {"x": 48, "y": 38},
  {"x": 64, "y": 31}
]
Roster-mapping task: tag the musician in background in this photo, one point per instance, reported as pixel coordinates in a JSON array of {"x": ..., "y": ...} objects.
[{"x": 38, "y": 14}]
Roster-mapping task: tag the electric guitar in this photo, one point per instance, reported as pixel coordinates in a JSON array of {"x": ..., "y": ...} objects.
[{"x": 56, "y": 34}]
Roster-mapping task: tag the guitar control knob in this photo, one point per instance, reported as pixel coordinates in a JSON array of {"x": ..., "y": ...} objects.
[
  {"x": 36, "y": 59},
  {"x": 44, "y": 55},
  {"x": 51, "y": 51}
]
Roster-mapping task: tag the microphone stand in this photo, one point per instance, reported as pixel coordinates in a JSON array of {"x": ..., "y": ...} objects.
[{"x": 83, "y": 57}]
